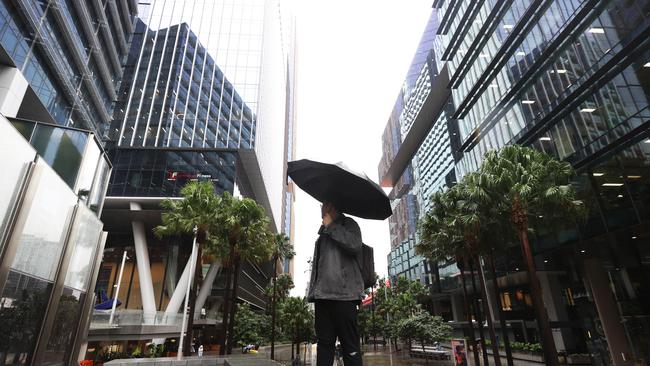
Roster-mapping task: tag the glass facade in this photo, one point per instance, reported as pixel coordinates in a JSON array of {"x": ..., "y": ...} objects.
[
  {"x": 179, "y": 96},
  {"x": 162, "y": 173},
  {"x": 428, "y": 168},
  {"x": 74, "y": 75},
  {"x": 570, "y": 78},
  {"x": 47, "y": 251}
]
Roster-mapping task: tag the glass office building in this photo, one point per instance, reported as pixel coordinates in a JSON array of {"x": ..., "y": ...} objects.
[
  {"x": 570, "y": 78},
  {"x": 60, "y": 67},
  {"x": 71, "y": 54},
  {"x": 409, "y": 195},
  {"x": 206, "y": 101}
]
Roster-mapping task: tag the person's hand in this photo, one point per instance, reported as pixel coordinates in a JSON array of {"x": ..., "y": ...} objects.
[{"x": 327, "y": 220}]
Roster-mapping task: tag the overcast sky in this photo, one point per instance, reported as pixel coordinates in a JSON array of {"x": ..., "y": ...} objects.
[{"x": 352, "y": 60}]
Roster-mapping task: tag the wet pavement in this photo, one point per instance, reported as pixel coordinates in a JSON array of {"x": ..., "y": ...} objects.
[{"x": 382, "y": 357}]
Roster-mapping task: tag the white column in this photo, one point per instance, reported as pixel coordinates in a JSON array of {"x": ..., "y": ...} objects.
[
  {"x": 206, "y": 287},
  {"x": 178, "y": 296},
  {"x": 12, "y": 90},
  {"x": 144, "y": 268}
]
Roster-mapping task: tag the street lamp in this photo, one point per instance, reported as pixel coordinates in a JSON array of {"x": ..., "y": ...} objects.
[{"x": 179, "y": 355}]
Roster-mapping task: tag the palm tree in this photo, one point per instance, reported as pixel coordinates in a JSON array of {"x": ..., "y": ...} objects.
[
  {"x": 451, "y": 229},
  {"x": 200, "y": 208},
  {"x": 282, "y": 249},
  {"x": 533, "y": 186},
  {"x": 244, "y": 230}
]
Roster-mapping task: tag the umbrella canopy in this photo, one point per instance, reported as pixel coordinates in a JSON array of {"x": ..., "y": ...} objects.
[{"x": 353, "y": 193}]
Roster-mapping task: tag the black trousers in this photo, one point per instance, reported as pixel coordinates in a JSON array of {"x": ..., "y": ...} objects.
[{"x": 337, "y": 319}]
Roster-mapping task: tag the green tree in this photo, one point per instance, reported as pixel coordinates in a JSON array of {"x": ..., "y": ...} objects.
[
  {"x": 297, "y": 319},
  {"x": 249, "y": 327},
  {"x": 245, "y": 236},
  {"x": 425, "y": 329},
  {"x": 200, "y": 208},
  {"x": 534, "y": 188},
  {"x": 282, "y": 249},
  {"x": 461, "y": 225}
]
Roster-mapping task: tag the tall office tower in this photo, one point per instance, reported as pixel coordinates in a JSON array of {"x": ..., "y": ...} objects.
[
  {"x": 210, "y": 97},
  {"x": 406, "y": 195},
  {"x": 572, "y": 79},
  {"x": 60, "y": 67}
]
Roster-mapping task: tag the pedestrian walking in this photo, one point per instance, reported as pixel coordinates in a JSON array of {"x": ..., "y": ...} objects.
[
  {"x": 342, "y": 266},
  {"x": 336, "y": 287}
]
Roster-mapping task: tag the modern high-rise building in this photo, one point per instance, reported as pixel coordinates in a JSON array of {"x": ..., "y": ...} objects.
[
  {"x": 570, "y": 78},
  {"x": 206, "y": 100},
  {"x": 407, "y": 195},
  {"x": 60, "y": 67}
]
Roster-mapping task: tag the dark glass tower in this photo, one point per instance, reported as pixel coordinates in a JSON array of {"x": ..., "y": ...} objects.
[{"x": 570, "y": 78}]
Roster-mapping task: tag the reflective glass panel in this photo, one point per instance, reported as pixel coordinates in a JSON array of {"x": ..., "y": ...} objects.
[{"x": 39, "y": 246}]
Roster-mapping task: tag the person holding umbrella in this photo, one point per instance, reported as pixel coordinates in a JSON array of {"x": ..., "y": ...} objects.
[{"x": 336, "y": 285}]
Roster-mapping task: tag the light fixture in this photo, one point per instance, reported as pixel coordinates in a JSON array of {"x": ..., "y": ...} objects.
[
  {"x": 647, "y": 141},
  {"x": 612, "y": 184},
  {"x": 583, "y": 251},
  {"x": 544, "y": 138},
  {"x": 598, "y": 174},
  {"x": 520, "y": 53},
  {"x": 587, "y": 110},
  {"x": 634, "y": 237},
  {"x": 558, "y": 71},
  {"x": 516, "y": 269},
  {"x": 620, "y": 196},
  {"x": 508, "y": 26},
  {"x": 647, "y": 64},
  {"x": 527, "y": 101},
  {"x": 633, "y": 177},
  {"x": 596, "y": 30},
  {"x": 545, "y": 260}
]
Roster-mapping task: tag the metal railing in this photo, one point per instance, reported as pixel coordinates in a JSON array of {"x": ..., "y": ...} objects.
[{"x": 100, "y": 318}]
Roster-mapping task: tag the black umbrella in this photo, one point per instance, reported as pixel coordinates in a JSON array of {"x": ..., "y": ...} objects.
[{"x": 353, "y": 193}]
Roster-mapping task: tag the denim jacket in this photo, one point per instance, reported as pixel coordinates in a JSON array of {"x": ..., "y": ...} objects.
[{"x": 335, "y": 273}]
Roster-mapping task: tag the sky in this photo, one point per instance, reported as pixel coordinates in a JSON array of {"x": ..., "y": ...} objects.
[{"x": 352, "y": 60}]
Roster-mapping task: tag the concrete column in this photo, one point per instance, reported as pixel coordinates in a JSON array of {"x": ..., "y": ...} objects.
[
  {"x": 556, "y": 309},
  {"x": 178, "y": 296},
  {"x": 608, "y": 312},
  {"x": 206, "y": 287},
  {"x": 13, "y": 86},
  {"x": 144, "y": 268}
]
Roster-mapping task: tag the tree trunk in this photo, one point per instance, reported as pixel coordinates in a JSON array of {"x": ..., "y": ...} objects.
[
  {"x": 374, "y": 325},
  {"x": 548, "y": 343},
  {"x": 226, "y": 311},
  {"x": 292, "y": 349},
  {"x": 273, "y": 300},
  {"x": 520, "y": 220},
  {"x": 192, "y": 300},
  {"x": 472, "y": 339},
  {"x": 488, "y": 316},
  {"x": 502, "y": 320},
  {"x": 479, "y": 319},
  {"x": 233, "y": 310}
]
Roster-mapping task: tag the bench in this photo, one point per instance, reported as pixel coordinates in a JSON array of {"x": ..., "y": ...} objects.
[{"x": 430, "y": 353}]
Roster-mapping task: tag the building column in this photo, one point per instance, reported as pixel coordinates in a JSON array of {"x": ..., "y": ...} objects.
[
  {"x": 457, "y": 308},
  {"x": 608, "y": 312},
  {"x": 206, "y": 286},
  {"x": 144, "y": 267},
  {"x": 13, "y": 86},
  {"x": 178, "y": 296},
  {"x": 556, "y": 309}
]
